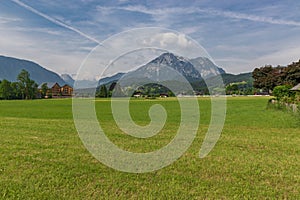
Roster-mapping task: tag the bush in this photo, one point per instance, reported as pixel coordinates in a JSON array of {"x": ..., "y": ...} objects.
[{"x": 282, "y": 92}]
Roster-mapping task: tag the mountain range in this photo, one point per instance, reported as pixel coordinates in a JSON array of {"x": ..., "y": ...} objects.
[
  {"x": 194, "y": 70},
  {"x": 11, "y": 67},
  {"x": 68, "y": 79},
  {"x": 163, "y": 68}
]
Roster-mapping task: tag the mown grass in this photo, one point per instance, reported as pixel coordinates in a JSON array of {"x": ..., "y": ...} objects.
[{"x": 42, "y": 157}]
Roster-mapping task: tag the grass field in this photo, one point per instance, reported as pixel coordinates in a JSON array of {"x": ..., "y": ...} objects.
[{"x": 42, "y": 157}]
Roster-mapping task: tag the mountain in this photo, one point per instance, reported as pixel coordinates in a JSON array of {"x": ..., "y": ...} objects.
[
  {"x": 68, "y": 79},
  {"x": 110, "y": 79},
  {"x": 161, "y": 67},
  {"x": 232, "y": 78},
  {"x": 200, "y": 72},
  {"x": 80, "y": 84},
  {"x": 11, "y": 67},
  {"x": 180, "y": 64},
  {"x": 246, "y": 78},
  {"x": 206, "y": 67}
]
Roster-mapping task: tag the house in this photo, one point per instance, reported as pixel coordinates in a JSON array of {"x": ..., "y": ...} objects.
[
  {"x": 66, "y": 90},
  {"x": 296, "y": 88},
  {"x": 54, "y": 90},
  {"x": 164, "y": 95},
  {"x": 137, "y": 94}
]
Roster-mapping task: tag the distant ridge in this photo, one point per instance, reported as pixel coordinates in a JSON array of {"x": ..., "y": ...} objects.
[
  {"x": 68, "y": 79},
  {"x": 110, "y": 79},
  {"x": 10, "y": 68}
]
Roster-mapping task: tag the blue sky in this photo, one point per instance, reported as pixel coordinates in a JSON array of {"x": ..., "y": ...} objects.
[{"x": 238, "y": 35}]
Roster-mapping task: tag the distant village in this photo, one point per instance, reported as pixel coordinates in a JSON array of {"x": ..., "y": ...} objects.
[{"x": 281, "y": 82}]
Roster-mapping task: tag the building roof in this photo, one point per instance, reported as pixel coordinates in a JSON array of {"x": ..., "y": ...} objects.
[
  {"x": 49, "y": 84},
  {"x": 296, "y": 88},
  {"x": 66, "y": 85}
]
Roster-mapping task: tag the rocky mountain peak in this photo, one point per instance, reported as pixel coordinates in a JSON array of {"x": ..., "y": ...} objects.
[{"x": 180, "y": 64}]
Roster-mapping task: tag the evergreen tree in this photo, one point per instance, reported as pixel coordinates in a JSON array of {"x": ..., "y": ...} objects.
[{"x": 102, "y": 92}]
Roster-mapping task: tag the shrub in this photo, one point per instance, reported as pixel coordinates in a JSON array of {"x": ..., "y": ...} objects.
[{"x": 282, "y": 92}]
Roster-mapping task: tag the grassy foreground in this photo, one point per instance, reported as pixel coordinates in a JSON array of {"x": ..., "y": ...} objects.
[{"x": 42, "y": 157}]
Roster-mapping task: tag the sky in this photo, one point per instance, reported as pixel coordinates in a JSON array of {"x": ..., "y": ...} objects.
[{"x": 238, "y": 35}]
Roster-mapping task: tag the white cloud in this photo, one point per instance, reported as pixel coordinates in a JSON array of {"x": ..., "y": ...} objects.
[
  {"x": 192, "y": 10},
  {"x": 55, "y": 50},
  {"x": 131, "y": 49},
  {"x": 5, "y": 20},
  {"x": 283, "y": 57},
  {"x": 255, "y": 18},
  {"x": 167, "y": 39},
  {"x": 236, "y": 64}
]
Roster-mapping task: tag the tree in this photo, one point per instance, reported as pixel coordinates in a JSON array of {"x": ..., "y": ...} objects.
[
  {"x": 27, "y": 86},
  {"x": 16, "y": 90},
  {"x": 44, "y": 89},
  {"x": 264, "y": 78},
  {"x": 292, "y": 73},
  {"x": 102, "y": 92},
  {"x": 268, "y": 77},
  {"x": 117, "y": 91},
  {"x": 232, "y": 89},
  {"x": 5, "y": 90},
  {"x": 33, "y": 91}
]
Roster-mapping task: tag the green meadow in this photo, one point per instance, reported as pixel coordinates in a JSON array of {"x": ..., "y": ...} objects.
[{"x": 42, "y": 156}]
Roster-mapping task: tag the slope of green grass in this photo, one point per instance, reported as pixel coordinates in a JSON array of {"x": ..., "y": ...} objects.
[{"x": 42, "y": 157}]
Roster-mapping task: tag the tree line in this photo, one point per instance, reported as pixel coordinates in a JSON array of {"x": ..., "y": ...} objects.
[
  {"x": 147, "y": 90},
  {"x": 268, "y": 77},
  {"x": 23, "y": 88},
  {"x": 278, "y": 81}
]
